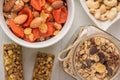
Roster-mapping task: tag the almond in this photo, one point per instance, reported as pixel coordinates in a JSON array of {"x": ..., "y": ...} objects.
[
  {"x": 57, "y": 4},
  {"x": 20, "y": 19},
  {"x": 36, "y": 22}
]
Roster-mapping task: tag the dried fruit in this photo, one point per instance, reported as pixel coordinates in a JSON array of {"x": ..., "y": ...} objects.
[
  {"x": 88, "y": 62},
  {"x": 102, "y": 57},
  {"x": 93, "y": 50},
  {"x": 100, "y": 68}
]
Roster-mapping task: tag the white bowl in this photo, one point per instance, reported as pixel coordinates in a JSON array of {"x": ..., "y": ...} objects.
[
  {"x": 49, "y": 42},
  {"x": 101, "y": 24}
]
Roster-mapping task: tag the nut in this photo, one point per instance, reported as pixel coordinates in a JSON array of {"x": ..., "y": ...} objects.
[
  {"x": 95, "y": 58},
  {"x": 43, "y": 28},
  {"x": 36, "y": 14},
  {"x": 44, "y": 16},
  {"x": 58, "y": 26},
  {"x": 8, "y": 6},
  {"x": 57, "y": 4},
  {"x": 92, "y": 4},
  {"x": 27, "y": 31},
  {"x": 36, "y": 22},
  {"x": 112, "y": 14},
  {"x": 56, "y": 32},
  {"x": 110, "y": 3},
  {"x": 18, "y": 6},
  {"x": 31, "y": 37},
  {"x": 20, "y": 19}
]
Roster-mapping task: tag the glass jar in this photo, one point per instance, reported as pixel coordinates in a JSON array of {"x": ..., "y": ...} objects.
[{"x": 94, "y": 55}]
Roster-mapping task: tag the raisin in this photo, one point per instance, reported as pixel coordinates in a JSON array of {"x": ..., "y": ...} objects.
[
  {"x": 88, "y": 62},
  {"x": 102, "y": 57},
  {"x": 93, "y": 50}
]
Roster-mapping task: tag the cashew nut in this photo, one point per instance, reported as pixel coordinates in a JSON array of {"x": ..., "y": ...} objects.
[
  {"x": 97, "y": 14},
  {"x": 103, "y": 9},
  {"x": 103, "y": 17},
  {"x": 93, "y": 4},
  {"x": 118, "y": 7},
  {"x": 112, "y": 14},
  {"x": 92, "y": 10},
  {"x": 100, "y": 0},
  {"x": 110, "y": 3}
]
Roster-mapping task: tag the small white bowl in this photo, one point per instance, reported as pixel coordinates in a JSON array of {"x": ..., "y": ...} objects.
[
  {"x": 101, "y": 24},
  {"x": 49, "y": 42}
]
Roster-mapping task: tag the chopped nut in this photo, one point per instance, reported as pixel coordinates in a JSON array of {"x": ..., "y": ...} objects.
[
  {"x": 27, "y": 31},
  {"x": 95, "y": 58},
  {"x": 58, "y": 26},
  {"x": 31, "y": 37},
  {"x": 44, "y": 16},
  {"x": 56, "y": 32},
  {"x": 43, "y": 28},
  {"x": 36, "y": 14}
]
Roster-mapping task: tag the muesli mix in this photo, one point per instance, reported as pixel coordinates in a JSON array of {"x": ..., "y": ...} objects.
[{"x": 97, "y": 58}]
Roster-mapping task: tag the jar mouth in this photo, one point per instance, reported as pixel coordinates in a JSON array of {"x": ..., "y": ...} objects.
[{"x": 85, "y": 38}]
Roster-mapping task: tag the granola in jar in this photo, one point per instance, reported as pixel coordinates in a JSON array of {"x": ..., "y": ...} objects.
[{"x": 96, "y": 58}]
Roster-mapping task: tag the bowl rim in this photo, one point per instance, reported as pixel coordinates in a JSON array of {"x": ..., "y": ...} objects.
[{"x": 46, "y": 43}]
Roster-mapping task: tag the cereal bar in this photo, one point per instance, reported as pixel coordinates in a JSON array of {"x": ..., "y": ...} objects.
[
  {"x": 13, "y": 62},
  {"x": 43, "y": 66}
]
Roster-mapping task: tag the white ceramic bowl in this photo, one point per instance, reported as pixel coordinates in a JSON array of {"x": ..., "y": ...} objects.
[
  {"x": 101, "y": 24},
  {"x": 43, "y": 44}
]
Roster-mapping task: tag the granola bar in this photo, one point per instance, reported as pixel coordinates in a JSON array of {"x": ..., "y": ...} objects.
[
  {"x": 43, "y": 66},
  {"x": 13, "y": 62}
]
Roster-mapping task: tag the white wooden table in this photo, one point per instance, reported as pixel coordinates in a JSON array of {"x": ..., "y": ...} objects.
[{"x": 80, "y": 19}]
